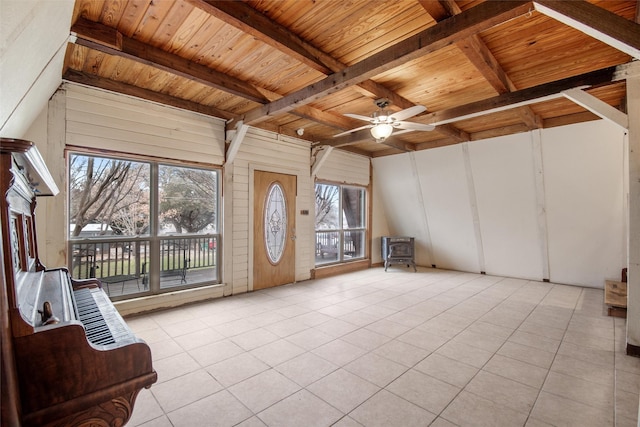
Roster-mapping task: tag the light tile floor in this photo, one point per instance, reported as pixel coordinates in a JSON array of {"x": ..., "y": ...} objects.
[{"x": 436, "y": 348}]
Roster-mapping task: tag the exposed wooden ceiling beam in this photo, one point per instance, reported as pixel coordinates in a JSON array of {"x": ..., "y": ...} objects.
[
  {"x": 502, "y": 102},
  {"x": 127, "y": 89},
  {"x": 472, "y": 21},
  {"x": 482, "y": 58},
  {"x": 247, "y": 19},
  {"x": 108, "y": 40},
  {"x": 595, "y": 21},
  {"x": 519, "y": 98},
  {"x": 100, "y": 37}
]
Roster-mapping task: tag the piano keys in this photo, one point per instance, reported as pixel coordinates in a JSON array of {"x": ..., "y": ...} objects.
[{"x": 68, "y": 357}]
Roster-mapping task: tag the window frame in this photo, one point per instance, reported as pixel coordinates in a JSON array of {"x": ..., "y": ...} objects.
[
  {"x": 342, "y": 229},
  {"x": 148, "y": 277}
]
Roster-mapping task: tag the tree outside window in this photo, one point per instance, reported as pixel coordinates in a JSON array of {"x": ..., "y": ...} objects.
[
  {"x": 340, "y": 223},
  {"x": 142, "y": 223}
]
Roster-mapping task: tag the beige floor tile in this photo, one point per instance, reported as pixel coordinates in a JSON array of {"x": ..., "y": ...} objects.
[
  {"x": 376, "y": 369},
  {"x": 401, "y": 352},
  {"x": 251, "y": 422},
  {"x": 586, "y": 338},
  {"x": 300, "y": 409},
  {"x": 423, "y": 339},
  {"x": 536, "y": 341},
  {"x": 309, "y": 338},
  {"x": 306, "y": 368},
  {"x": 587, "y": 354},
  {"x": 534, "y": 422},
  {"x": 516, "y": 370},
  {"x": 386, "y": 410},
  {"x": 184, "y": 390},
  {"x": 579, "y": 390},
  {"x": 286, "y": 327},
  {"x": 277, "y": 352},
  {"x": 339, "y": 352},
  {"x": 423, "y": 390},
  {"x": 163, "y": 349},
  {"x": 175, "y": 366},
  {"x": 388, "y": 328},
  {"x": 198, "y": 338},
  {"x": 184, "y": 327},
  {"x": 215, "y": 352},
  {"x": 359, "y": 318},
  {"x": 343, "y": 390},
  {"x": 377, "y": 326},
  {"x": 467, "y": 409},
  {"x": 347, "y": 421},
  {"x": 365, "y": 339},
  {"x": 627, "y": 363},
  {"x": 446, "y": 325},
  {"x": 523, "y": 353},
  {"x": 237, "y": 368},
  {"x": 490, "y": 329},
  {"x": 585, "y": 370},
  {"x": 558, "y": 410},
  {"x": 162, "y": 421},
  {"x": 406, "y": 319},
  {"x": 447, "y": 370},
  {"x": 263, "y": 390},
  {"x": 627, "y": 381},
  {"x": 503, "y": 391},
  {"x": 482, "y": 341},
  {"x": 336, "y": 328},
  {"x": 626, "y": 404},
  {"x": 254, "y": 338},
  {"x": 220, "y": 409},
  {"x": 464, "y": 353},
  {"x": 441, "y": 422},
  {"x": 541, "y": 329},
  {"x": 153, "y": 335},
  {"x": 146, "y": 409}
]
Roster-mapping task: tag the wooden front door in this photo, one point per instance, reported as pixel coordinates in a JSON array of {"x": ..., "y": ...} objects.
[{"x": 274, "y": 225}]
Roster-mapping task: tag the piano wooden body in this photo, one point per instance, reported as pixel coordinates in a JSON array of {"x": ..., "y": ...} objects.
[{"x": 68, "y": 357}]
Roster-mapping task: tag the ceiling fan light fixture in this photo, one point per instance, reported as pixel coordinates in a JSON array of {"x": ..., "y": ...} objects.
[{"x": 381, "y": 131}]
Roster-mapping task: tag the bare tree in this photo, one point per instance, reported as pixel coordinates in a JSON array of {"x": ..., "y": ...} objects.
[
  {"x": 102, "y": 190},
  {"x": 326, "y": 205}
]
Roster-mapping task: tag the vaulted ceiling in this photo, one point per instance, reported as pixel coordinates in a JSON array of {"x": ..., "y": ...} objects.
[{"x": 481, "y": 68}]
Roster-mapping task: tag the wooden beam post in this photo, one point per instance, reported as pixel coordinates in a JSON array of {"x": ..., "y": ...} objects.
[
  {"x": 597, "y": 107},
  {"x": 633, "y": 277}
]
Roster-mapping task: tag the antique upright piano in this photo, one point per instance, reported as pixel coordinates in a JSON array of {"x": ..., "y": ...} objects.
[{"x": 68, "y": 357}]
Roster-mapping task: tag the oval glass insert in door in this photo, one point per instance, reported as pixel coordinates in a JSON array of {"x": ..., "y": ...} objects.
[{"x": 275, "y": 222}]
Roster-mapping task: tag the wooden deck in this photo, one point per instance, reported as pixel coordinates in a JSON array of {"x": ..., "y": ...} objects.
[{"x": 117, "y": 286}]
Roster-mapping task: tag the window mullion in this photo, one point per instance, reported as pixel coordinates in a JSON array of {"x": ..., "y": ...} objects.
[{"x": 154, "y": 243}]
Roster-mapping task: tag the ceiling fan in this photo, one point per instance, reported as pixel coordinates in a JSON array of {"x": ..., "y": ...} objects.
[{"x": 383, "y": 122}]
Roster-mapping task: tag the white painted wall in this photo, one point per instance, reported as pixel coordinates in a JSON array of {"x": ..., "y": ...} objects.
[
  {"x": 505, "y": 208},
  {"x": 33, "y": 39},
  {"x": 503, "y": 173},
  {"x": 585, "y": 204}
]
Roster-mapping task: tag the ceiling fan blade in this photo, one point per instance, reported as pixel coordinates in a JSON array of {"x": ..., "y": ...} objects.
[
  {"x": 413, "y": 126},
  {"x": 353, "y": 130},
  {"x": 359, "y": 117},
  {"x": 409, "y": 112}
]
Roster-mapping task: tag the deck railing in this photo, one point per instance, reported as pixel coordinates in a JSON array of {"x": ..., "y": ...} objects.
[{"x": 128, "y": 261}]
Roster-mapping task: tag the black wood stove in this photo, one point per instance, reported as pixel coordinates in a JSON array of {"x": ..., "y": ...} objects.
[{"x": 398, "y": 250}]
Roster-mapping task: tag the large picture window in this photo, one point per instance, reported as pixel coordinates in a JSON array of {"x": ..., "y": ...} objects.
[
  {"x": 142, "y": 227},
  {"x": 340, "y": 223}
]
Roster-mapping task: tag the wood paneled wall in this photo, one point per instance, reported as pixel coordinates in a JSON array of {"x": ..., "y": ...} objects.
[{"x": 105, "y": 121}]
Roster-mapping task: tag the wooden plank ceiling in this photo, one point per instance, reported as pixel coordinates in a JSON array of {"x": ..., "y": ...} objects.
[{"x": 286, "y": 65}]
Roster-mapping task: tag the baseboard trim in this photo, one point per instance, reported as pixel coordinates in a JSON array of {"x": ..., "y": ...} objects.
[{"x": 633, "y": 350}]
